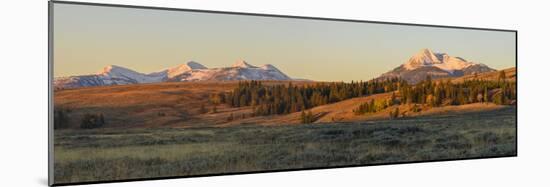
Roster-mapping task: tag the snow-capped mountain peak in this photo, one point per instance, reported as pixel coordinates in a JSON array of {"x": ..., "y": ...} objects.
[
  {"x": 177, "y": 70},
  {"x": 436, "y": 65},
  {"x": 242, "y": 64},
  {"x": 440, "y": 60},
  {"x": 423, "y": 58}
]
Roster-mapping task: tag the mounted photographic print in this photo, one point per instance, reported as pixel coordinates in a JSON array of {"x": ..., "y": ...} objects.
[{"x": 140, "y": 93}]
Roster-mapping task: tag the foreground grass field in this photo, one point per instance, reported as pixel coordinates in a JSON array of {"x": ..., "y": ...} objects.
[{"x": 115, "y": 153}]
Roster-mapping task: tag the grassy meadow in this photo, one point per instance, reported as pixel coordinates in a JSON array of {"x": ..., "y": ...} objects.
[{"x": 131, "y": 153}]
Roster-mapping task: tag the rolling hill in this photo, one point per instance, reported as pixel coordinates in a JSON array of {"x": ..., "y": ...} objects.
[{"x": 151, "y": 105}]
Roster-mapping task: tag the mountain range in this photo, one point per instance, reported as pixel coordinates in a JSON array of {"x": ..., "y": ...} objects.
[
  {"x": 190, "y": 71},
  {"x": 416, "y": 69},
  {"x": 437, "y": 65}
]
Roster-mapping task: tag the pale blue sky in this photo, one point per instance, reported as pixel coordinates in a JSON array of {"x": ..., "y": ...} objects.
[{"x": 87, "y": 38}]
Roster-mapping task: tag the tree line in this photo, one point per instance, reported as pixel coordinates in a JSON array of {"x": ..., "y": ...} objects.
[
  {"x": 443, "y": 93},
  {"x": 61, "y": 120},
  {"x": 433, "y": 93},
  {"x": 289, "y": 98}
]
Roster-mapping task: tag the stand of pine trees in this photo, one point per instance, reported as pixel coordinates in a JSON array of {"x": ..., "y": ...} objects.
[
  {"x": 373, "y": 106},
  {"x": 91, "y": 121},
  {"x": 284, "y": 99},
  {"x": 471, "y": 91},
  {"x": 435, "y": 94},
  {"x": 289, "y": 98}
]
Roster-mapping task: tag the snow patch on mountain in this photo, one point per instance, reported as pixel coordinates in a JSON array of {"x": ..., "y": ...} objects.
[
  {"x": 175, "y": 71},
  {"x": 179, "y": 69},
  {"x": 268, "y": 67},
  {"x": 115, "y": 75},
  {"x": 242, "y": 64}
]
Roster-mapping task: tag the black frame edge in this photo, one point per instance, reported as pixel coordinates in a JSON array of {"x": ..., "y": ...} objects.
[
  {"x": 50, "y": 96},
  {"x": 517, "y": 92}
]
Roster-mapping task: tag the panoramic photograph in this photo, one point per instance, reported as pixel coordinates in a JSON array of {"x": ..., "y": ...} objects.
[{"x": 145, "y": 93}]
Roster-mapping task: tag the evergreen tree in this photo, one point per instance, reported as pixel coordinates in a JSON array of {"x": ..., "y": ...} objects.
[
  {"x": 303, "y": 117},
  {"x": 90, "y": 121},
  {"x": 202, "y": 110},
  {"x": 501, "y": 76},
  {"x": 393, "y": 100},
  {"x": 230, "y": 117},
  {"x": 395, "y": 113},
  {"x": 101, "y": 119},
  {"x": 485, "y": 95},
  {"x": 60, "y": 119},
  {"x": 309, "y": 117}
]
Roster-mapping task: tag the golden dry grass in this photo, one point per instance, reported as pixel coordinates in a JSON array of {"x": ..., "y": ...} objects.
[
  {"x": 146, "y": 105},
  {"x": 115, "y": 154}
]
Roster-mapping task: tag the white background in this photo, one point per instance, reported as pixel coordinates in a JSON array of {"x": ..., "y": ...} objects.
[{"x": 23, "y": 89}]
